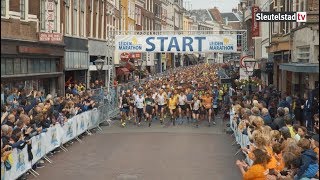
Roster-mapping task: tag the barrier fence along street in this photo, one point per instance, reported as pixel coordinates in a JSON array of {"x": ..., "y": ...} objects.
[{"x": 56, "y": 136}]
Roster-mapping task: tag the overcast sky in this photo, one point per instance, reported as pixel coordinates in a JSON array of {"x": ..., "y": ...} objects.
[{"x": 223, "y": 5}]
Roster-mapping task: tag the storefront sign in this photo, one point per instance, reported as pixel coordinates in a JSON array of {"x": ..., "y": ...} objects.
[
  {"x": 255, "y": 30},
  {"x": 50, "y": 37},
  {"x": 177, "y": 43},
  {"x": 33, "y": 50}
]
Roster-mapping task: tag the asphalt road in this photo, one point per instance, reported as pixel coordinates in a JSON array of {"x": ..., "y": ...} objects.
[{"x": 142, "y": 153}]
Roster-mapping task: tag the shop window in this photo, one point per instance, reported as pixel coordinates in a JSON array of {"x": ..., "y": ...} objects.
[
  {"x": 36, "y": 66},
  {"x": 53, "y": 65},
  {"x": 24, "y": 66},
  {"x": 48, "y": 64},
  {"x": 3, "y": 66},
  {"x": 30, "y": 66},
  {"x": 17, "y": 66},
  {"x": 9, "y": 66},
  {"x": 42, "y": 66}
]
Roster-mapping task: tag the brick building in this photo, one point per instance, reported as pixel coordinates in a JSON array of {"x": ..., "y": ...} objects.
[{"x": 31, "y": 48}]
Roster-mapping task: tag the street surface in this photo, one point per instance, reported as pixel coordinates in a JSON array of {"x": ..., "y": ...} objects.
[{"x": 142, "y": 153}]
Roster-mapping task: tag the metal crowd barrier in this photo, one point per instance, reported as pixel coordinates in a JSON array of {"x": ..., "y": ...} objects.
[
  {"x": 55, "y": 137},
  {"x": 240, "y": 139}
]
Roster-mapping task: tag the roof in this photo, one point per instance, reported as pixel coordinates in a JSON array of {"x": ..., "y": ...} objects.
[
  {"x": 216, "y": 15},
  {"x": 201, "y": 15},
  {"x": 231, "y": 16}
]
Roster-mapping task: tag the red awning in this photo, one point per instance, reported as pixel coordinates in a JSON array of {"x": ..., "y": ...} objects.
[
  {"x": 130, "y": 66},
  {"x": 122, "y": 71}
]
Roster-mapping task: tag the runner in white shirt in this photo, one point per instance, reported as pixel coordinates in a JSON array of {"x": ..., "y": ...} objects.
[
  {"x": 182, "y": 98},
  {"x": 140, "y": 104},
  {"x": 161, "y": 100}
]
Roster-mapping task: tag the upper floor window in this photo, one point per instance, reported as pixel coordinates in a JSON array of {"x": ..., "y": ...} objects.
[
  {"x": 303, "y": 54},
  {"x": 23, "y": 9},
  {"x": 67, "y": 16},
  {"x": 81, "y": 18},
  {"x": 43, "y": 14},
  {"x": 3, "y": 7},
  {"x": 75, "y": 16}
]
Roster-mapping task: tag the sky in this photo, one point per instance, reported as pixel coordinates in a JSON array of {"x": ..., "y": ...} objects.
[{"x": 222, "y": 5}]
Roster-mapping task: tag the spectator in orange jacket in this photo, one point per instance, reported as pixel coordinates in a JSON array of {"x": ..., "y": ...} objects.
[{"x": 258, "y": 171}]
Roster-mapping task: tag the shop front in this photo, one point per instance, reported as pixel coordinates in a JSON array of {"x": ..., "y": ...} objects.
[
  {"x": 76, "y": 60},
  {"x": 32, "y": 66}
]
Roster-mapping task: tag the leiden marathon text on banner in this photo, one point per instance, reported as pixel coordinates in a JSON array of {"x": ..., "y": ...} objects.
[{"x": 177, "y": 43}]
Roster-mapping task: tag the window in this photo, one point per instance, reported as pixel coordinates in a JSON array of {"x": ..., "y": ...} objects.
[
  {"x": 23, "y": 9},
  {"x": 42, "y": 65},
  {"x": 3, "y": 7},
  {"x": 82, "y": 17},
  {"x": 42, "y": 14},
  {"x": 30, "y": 66},
  {"x": 48, "y": 64},
  {"x": 9, "y": 66},
  {"x": 3, "y": 66},
  {"x": 24, "y": 66},
  {"x": 75, "y": 16},
  {"x": 67, "y": 17},
  {"x": 303, "y": 54},
  {"x": 53, "y": 65},
  {"x": 55, "y": 28},
  {"x": 17, "y": 66},
  {"x": 36, "y": 66}
]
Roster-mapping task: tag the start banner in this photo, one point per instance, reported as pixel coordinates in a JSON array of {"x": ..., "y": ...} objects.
[{"x": 177, "y": 43}]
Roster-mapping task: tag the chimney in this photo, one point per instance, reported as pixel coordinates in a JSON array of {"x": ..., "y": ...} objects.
[{"x": 235, "y": 10}]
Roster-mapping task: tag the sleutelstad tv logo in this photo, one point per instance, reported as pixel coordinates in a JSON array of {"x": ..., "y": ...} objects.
[{"x": 281, "y": 16}]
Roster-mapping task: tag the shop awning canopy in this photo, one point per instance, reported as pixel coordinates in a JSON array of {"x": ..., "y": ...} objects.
[
  {"x": 300, "y": 67},
  {"x": 123, "y": 71},
  {"x": 130, "y": 66}
]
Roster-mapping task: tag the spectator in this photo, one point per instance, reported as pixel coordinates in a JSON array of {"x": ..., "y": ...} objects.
[
  {"x": 258, "y": 170},
  {"x": 279, "y": 121},
  {"x": 309, "y": 166},
  {"x": 266, "y": 117}
]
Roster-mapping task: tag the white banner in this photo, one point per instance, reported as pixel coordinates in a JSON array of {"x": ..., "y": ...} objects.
[
  {"x": 177, "y": 43},
  {"x": 38, "y": 148},
  {"x": 21, "y": 163},
  {"x": 52, "y": 138},
  {"x": 95, "y": 114},
  {"x": 82, "y": 123},
  {"x": 70, "y": 130}
]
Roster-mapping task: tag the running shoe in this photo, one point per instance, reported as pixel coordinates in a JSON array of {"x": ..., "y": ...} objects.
[{"x": 214, "y": 123}]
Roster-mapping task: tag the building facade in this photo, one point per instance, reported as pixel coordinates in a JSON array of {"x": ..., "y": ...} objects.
[{"x": 32, "y": 58}]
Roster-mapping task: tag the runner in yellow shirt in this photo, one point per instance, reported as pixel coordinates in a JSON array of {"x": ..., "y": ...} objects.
[{"x": 172, "y": 102}]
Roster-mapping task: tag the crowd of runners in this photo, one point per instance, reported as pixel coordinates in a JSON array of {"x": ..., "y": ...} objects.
[{"x": 190, "y": 95}]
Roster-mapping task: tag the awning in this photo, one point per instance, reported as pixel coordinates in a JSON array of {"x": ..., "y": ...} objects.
[
  {"x": 300, "y": 67},
  {"x": 122, "y": 71}
]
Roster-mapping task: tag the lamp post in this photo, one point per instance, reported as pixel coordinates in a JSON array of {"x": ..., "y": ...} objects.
[
  {"x": 99, "y": 65},
  {"x": 139, "y": 62},
  {"x": 250, "y": 64}
]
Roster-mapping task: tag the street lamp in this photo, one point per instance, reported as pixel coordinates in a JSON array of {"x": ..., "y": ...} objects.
[
  {"x": 250, "y": 64},
  {"x": 140, "y": 62},
  {"x": 99, "y": 65}
]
